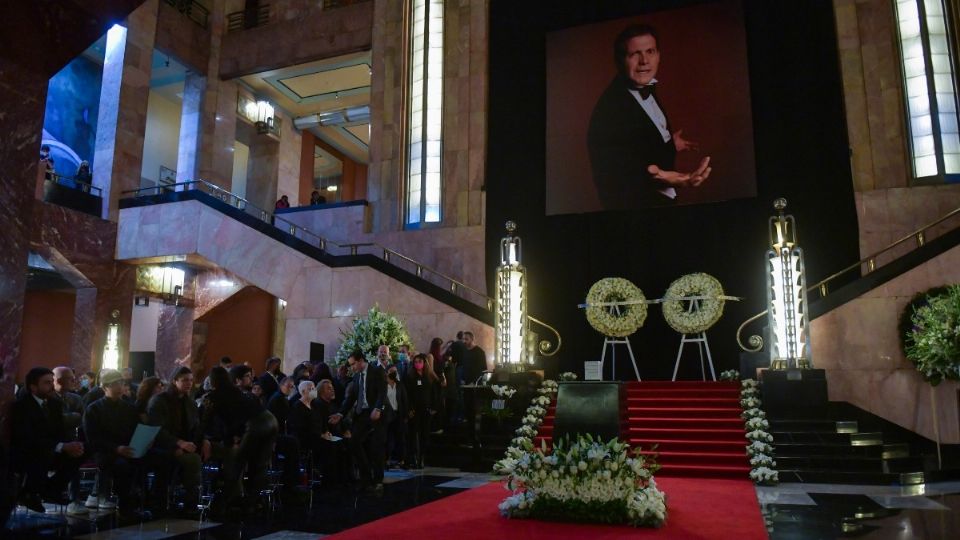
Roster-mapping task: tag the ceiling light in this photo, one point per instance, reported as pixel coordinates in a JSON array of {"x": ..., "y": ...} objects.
[{"x": 331, "y": 188}]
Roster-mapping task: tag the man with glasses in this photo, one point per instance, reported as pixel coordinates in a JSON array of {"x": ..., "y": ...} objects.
[{"x": 365, "y": 399}]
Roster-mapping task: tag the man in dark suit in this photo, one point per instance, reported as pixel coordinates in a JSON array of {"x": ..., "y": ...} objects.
[
  {"x": 632, "y": 149},
  {"x": 270, "y": 379},
  {"x": 39, "y": 444},
  {"x": 367, "y": 445}
]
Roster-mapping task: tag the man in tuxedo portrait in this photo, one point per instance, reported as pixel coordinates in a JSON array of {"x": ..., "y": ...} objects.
[{"x": 631, "y": 143}]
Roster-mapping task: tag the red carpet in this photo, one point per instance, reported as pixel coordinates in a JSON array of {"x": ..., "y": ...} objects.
[
  {"x": 696, "y": 508},
  {"x": 696, "y": 426}
]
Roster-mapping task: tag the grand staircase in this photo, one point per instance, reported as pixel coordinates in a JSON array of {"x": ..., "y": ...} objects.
[{"x": 693, "y": 428}]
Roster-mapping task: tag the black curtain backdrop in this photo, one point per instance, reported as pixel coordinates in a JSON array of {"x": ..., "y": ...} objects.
[{"x": 801, "y": 154}]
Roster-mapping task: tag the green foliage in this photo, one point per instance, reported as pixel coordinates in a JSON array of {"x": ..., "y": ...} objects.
[
  {"x": 933, "y": 343},
  {"x": 368, "y": 333}
]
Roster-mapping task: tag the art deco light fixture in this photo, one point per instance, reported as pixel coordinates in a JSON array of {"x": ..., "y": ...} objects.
[
  {"x": 786, "y": 294},
  {"x": 511, "y": 304},
  {"x": 264, "y": 117}
]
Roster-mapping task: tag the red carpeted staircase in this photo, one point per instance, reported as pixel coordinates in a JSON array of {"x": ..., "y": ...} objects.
[{"x": 696, "y": 426}]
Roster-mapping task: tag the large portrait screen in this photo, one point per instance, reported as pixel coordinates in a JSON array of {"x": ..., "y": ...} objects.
[{"x": 651, "y": 110}]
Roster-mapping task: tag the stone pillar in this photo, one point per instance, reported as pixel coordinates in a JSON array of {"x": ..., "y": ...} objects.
[
  {"x": 194, "y": 89},
  {"x": 218, "y": 117},
  {"x": 174, "y": 337},
  {"x": 307, "y": 143},
  {"x": 264, "y": 170},
  {"x": 84, "y": 329},
  {"x": 22, "y": 100},
  {"x": 288, "y": 175},
  {"x": 124, "y": 93}
]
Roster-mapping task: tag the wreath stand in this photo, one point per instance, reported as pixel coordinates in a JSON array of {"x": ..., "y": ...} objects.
[
  {"x": 612, "y": 342},
  {"x": 701, "y": 341}
]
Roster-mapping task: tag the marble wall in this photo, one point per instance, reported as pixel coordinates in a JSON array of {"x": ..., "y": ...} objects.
[
  {"x": 320, "y": 300},
  {"x": 857, "y": 343}
]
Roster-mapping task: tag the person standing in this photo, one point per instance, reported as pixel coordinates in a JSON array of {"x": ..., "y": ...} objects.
[
  {"x": 474, "y": 359},
  {"x": 395, "y": 418},
  {"x": 270, "y": 379},
  {"x": 419, "y": 382},
  {"x": 365, "y": 399}
]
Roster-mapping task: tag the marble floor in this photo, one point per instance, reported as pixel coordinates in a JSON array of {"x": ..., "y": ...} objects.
[{"x": 791, "y": 512}]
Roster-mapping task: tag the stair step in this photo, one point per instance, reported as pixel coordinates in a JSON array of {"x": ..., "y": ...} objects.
[
  {"x": 818, "y": 426},
  {"x": 689, "y": 445},
  {"x": 702, "y": 471},
  {"x": 684, "y": 392},
  {"x": 682, "y": 402},
  {"x": 699, "y": 458},
  {"x": 813, "y": 437},
  {"x": 683, "y": 423},
  {"x": 684, "y": 412},
  {"x": 719, "y": 434},
  {"x": 885, "y": 451},
  {"x": 850, "y": 463},
  {"x": 851, "y": 477},
  {"x": 684, "y": 384}
]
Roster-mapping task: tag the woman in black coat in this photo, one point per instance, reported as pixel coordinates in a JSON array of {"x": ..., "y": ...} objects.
[{"x": 419, "y": 382}]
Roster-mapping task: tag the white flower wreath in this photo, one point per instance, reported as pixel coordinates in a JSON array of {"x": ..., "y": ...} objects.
[
  {"x": 711, "y": 307},
  {"x": 610, "y": 290}
]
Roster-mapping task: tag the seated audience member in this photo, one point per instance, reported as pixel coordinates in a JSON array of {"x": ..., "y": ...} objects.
[
  {"x": 225, "y": 363},
  {"x": 270, "y": 379},
  {"x": 301, "y": 422},
  {"x": 279, "y": 403},
  {"x": 395, "y": 418},
  {"x": 282, "y": 203},
  {"x": 242, "y": 377},
  {"x": 309, "y": 423},
  {"x": 39, "y": 445},
  {"x": 65, "y": 384},
  {"x": 248, "y": 430},
  {"x": 95, "y": 393},
  {"x": 419, "y": 382},
  {"x": 257, "y": 391},
  {"x": 128, "y": 379},
  {"x": 287, "y": 445},
  {"x": 109, "y": 424},
  {"x": 149, "y": 387},
  {"x": 87, "y": 381},
  {"x": 181, "y": 437}
]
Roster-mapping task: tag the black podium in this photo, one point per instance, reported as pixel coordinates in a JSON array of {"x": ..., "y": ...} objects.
[
  {"x": 589, "y": 407},
  {"x": 794, "y": 393}
]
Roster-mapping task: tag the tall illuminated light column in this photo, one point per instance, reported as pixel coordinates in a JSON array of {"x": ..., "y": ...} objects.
[
  {"x": 786, "y": 294},
  {"x": 511, "y": 324}
]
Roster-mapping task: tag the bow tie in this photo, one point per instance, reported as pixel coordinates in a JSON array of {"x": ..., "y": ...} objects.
[{"x": 645, "y": 91}]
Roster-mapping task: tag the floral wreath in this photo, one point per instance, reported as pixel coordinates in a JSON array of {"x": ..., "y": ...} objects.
[
  {"x": 711, "y": 298},
  {"x": 616, "y": 290}
]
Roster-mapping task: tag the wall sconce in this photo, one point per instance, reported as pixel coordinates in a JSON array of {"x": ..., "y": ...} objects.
[
  {"x": 510, "y": 326},
  {"x": 264, "y": 117},
  {"x": 786, "y": 294}
]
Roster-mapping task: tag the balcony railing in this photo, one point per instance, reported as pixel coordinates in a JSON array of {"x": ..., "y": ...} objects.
[
  {"x": 395, "y": 258},
  {"x": 242, "y": 20},
  {"x": 194, "y": 10}
]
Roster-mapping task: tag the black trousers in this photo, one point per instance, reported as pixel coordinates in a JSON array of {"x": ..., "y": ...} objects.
[
  {"x": 289, "y": 446},
  {"x": 253, "y": 452},
  {"x": 66, "y": 470},
  {"x": 397, "y": 443},
  {"x": 417, "y": 435},
  {"x": 368, "y": 446}
]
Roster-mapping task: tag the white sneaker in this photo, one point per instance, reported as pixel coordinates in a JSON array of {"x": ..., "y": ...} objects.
[
  {"x": 92, "y": 501},
  {"x": 77, "y": 509},
  {"x": 106, "y": 504}
]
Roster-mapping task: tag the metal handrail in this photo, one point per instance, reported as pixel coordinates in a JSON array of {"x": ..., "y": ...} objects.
[
  {"x": 194, "y": 10},
  {"x": 325, "y": 244},
  {"x": 822, "y": 286},
  {"x": 79, "y": 186}
]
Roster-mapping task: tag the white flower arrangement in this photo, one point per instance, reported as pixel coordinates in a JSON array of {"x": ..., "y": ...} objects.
[
  {"x": 531, "y": 420},
  {"x": 756, "y": 426},
  {"x": 759, "y": 447},
  {"x": 675, "y": 309},
  {"x": 586, "y": 480},
  {"x": 536, "y": 410},
  {"x": 612, "y": 290},
  {"x": 759, "y": 435},
  {"x": 541, "y": 401},
  {"x": 568, "y": 376},
  {"x": 764, "y": 475},
  {"x": 503, "y": 392},
  {"x": 762, "y": 460},
  {"x": 749, "y": 403},
  {"x": 526, "y": 430},
  {"x": 729, "y": 375}
]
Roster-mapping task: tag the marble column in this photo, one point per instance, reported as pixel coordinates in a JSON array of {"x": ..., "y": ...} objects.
[
  {"x": 22, "y": 100},
  {"x": 264, "y": 172},
  {"x": 122, "y": 120},
  {"x": 84, "y": 321},
  {"x": 174, "y": 337},
  {"x": 194, "y": 88},
  {"x": 218, "y": 119}
]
